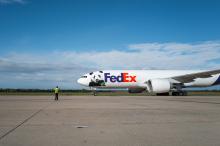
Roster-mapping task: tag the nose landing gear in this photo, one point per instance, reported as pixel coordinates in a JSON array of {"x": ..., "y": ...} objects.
[{"x": 93, "y": 91}]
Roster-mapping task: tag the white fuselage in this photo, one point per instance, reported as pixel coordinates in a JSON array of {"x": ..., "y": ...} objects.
[{"x": 139, "y": 78}]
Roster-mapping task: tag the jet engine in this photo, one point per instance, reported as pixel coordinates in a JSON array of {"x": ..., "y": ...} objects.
[
  {"x": 136, "y": 90},
  {"x": 159, "y": 85}
]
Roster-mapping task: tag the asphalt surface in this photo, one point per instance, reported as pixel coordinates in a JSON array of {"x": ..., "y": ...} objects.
[{"x": 109, "y": 120}]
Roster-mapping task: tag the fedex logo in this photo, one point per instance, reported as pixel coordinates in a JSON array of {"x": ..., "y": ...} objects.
[{"x": 124, "y": 77}]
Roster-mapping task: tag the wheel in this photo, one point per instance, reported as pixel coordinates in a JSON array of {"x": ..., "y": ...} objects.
[
  {"x": 94, "y": 93},
  {"x": 163, "y": 94},
  {"x": 175, "y": 93},
  {"x": 179, "y": 93},
  {"x": 184, "y": 93}
]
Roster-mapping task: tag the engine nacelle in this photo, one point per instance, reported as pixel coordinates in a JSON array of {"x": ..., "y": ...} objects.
[
  {"x": 159, "y": 85},
  {"x": 136, "y": 90}
]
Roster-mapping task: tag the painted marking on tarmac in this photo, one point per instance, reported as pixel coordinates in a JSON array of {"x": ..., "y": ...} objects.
[{"x": 13, "y": 129}]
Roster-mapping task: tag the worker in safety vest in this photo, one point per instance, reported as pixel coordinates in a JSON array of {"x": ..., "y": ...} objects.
[{"x": 56, "y": 91}]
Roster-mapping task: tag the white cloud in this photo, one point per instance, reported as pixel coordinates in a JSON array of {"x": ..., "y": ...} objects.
[
  {"x": 12, "y": 1},
  {"x": 30, "y": 71},
  {"x": 65, "y": 67},
  {"x": 153, "y": 55}
]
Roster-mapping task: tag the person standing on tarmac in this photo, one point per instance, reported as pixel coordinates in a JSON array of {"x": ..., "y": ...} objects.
[{"x": 56, "y": 91}]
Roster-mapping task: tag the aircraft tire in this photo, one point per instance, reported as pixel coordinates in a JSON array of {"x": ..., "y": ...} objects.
[
  {"x": 163, "y": 94},
  {"x": 179, "y": 93}
]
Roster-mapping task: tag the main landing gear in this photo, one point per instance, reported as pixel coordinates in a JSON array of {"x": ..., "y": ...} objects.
[
  {"x": 163, "y": 94},
  {"x": 174, "y": 93},
  {"x": 179, "y": 93}
]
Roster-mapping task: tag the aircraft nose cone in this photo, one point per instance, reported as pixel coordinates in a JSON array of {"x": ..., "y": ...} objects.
[
  {"x": 82, "y": 82},
  {"x": 79, "y": 81}
]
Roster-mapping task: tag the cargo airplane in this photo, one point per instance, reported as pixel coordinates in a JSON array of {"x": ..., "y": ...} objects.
[{"x": 160, "y": 82}]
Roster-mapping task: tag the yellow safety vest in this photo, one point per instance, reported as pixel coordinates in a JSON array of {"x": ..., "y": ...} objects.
[{"x": 56, "y": 90}]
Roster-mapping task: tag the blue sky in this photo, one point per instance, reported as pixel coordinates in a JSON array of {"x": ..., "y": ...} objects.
[{"x": 44, "y": 43}]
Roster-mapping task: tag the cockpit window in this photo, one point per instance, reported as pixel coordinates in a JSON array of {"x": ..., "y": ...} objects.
[
  {"x": 91, "y": 73},
  {"x": 83, "y": 76},
  {"x": 101, "y": 71}
]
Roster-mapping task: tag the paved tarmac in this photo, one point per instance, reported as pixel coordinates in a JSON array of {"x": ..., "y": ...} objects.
[{"x": 109, "y": 121}]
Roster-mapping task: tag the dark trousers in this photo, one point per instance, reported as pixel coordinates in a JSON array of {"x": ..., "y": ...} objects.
[{"x": 56, "y": 96}]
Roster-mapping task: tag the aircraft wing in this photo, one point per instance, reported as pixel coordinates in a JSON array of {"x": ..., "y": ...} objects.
[{"x": 190, "y": 77}]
